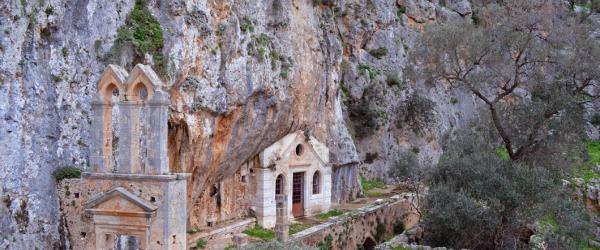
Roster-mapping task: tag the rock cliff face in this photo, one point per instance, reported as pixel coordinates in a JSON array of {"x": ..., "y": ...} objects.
[{"x": 241, "y": 75}]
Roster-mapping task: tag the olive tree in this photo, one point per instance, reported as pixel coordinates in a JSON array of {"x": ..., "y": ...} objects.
[
  {"x": 478, "y": 200},
  {"x": 532, "y": 64}
]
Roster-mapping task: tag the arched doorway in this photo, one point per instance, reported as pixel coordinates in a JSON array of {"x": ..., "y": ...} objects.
[{"x": 369, "y": 244}]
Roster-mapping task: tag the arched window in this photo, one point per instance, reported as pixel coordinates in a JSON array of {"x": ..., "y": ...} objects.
[
  {"x": 316, "y": 182},
  {"x": 299, "y": 150},
  {"x": 279, "y": 184}
]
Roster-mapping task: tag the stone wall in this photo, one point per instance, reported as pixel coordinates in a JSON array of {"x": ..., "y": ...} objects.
[
  {"x": 79, "y": 226},
  {"x": 375, "y": 223}
]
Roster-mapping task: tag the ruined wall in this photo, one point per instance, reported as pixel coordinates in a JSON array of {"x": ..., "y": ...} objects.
[
  {"x": 78, "y": 225},
  {"x": 349, "y": 232},
  {"x": 226, "y": 200}
]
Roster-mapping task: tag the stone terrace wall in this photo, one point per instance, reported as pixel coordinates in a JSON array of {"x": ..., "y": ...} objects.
[{"x": 375, "y": 222}]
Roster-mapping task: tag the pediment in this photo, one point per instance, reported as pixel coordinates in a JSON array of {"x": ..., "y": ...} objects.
[
  {"x": 285, "y": 148},
  {"x": 119, "y": 200}
]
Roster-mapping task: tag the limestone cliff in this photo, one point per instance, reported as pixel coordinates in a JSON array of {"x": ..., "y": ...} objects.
[{"x": 241, "y": 74}]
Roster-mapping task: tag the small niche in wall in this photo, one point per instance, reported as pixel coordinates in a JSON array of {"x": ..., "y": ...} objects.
[
  {"x": 243, "y": 178},
  {"x": 152, "y": 199},
  {"x": 83, "y": 234},
  {"x": 299, "y": 150},
  {"x": 77, "y": 195}
]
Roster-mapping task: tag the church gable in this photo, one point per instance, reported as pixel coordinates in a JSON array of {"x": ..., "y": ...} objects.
[{"x": 119, "y": 200}]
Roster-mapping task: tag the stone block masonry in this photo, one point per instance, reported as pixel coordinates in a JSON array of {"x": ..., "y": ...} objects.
[
  {"x": 369, "y": 225},
  {"x": 127, "y": 192}
]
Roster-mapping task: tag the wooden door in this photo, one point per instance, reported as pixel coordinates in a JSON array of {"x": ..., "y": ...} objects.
[{"x": 298, "y": 194}]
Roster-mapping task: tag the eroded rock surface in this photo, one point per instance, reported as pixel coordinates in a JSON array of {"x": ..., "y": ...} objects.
[{"x": 241, "y": 75}]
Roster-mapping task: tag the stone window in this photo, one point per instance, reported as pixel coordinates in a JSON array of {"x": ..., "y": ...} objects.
[
  {"x": 316, "y": 182},
  {"x": 279, "y": 184},
  {"x": 299, "y": 150}
]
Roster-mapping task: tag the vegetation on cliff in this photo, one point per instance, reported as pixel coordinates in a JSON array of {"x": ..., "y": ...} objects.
[{"x": 498, "y": 184}]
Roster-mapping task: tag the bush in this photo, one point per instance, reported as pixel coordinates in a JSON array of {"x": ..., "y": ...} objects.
[
  {"x": 200, "y": 244},
  {"x": 379, "y": 52},
  {"x": 67, "y": 173},
  {"x": 260, "y": 232},
  {"x": 478, "y": 200},
  {"x": 329, "y": 214},
  {"x": 143, "y": 32},
  {"x": 416, "y": 112},
  {"x": 367, "y": 185}
]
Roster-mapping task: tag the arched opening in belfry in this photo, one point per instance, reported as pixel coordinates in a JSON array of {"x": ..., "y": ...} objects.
[
  {"x": 110, "y": 95},
  {"x": 139, "y": 92}
]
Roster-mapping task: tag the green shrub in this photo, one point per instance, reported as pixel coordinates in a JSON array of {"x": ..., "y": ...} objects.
[
  {"x": 246, "y": 25},
  {"x": 401, "y": 10},
  {"x": 362, "y": 68},
  {"x": 65, "y": 52},
  {"x": 379, "y": 52},
  {"x": 298, "y": 227},
  {"x": 142, "y": 31},
  {"x": 393, "y": 80},
  {"x": 502, "y": 153},
  {"x": 453, "y": 100},
  {"x": 66, "y": 173},
  {"x": 200, "y": 244},
  {"x": 329, "y": 214},
  {"x": 593, "y": 149},
  {"x": 367, "y": 185},
  {"x": 284, "y": 73},
  {"x": 259, "y": 232}
]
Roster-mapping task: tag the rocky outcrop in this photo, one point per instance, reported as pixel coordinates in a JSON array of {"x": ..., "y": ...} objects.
[{"x": 241, "y": 75}]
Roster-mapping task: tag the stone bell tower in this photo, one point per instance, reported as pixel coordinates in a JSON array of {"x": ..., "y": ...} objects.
[{"x": 131, "y": 191}]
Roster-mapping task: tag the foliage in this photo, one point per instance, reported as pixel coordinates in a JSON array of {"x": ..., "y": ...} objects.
[
  {"x": 259, "y": 232},
  {"x": 416, "y": 113},
  {"x": 200, "y": 244},
  {"x": 364, "y": 118},
  {"x": 327, "y": 243},
  {"x": 65, "y": 52},
  {"x": 298, "y": 227},
  {"x": 362, "y": 68},
  {"x": 246, "y": 25},
  {"x": 401, "y": 10},
  {"x": 367, "y": 184},
  {"x": 531, "y": 68},
  {"x": 379, "y": 52},
  {"x": 193, "y": 230},
  {"x": 329, "y": 214},
  {"x": 143, "y": 32},
  {"x": 502, "y": 153},
  {"x": 67, "y": 173},
  {"x": 478, "y": 200},
  {"x": 593, "y": 150},
  {"x": 393, "y": 80}
]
